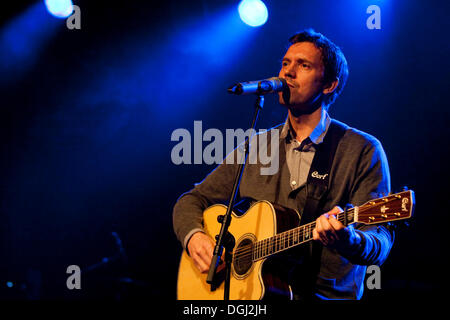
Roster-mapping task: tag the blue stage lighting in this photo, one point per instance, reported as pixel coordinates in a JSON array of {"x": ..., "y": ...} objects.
[
  {"x": 59, "y": 8},
  {"x": 253, "y": 12}
]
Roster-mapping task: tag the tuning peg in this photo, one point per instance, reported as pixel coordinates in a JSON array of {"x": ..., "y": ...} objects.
[{"x": 405, "y": 188}]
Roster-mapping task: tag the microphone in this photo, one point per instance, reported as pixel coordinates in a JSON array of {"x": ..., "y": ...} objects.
[{"x": 259, "y": 87}]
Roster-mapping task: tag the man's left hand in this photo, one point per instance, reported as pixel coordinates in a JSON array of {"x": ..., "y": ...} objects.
[{"x": 333, "y": 234}]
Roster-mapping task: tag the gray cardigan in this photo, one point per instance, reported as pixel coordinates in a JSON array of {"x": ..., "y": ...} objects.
[{"x": 359, "y": 173}]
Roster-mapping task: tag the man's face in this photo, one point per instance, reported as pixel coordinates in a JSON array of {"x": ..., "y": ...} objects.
[{"x": 303, "y": 69}]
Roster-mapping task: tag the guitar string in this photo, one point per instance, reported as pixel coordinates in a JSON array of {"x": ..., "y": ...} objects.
[
  {"x": 290, "y": 233},
  {"x": 361, "y": 214},
  {"x": 248, "y": 250},
  {"x": 276, "y": 241},
  {"x": 250, "y": 253}
]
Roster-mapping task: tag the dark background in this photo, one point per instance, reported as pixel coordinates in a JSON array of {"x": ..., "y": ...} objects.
[{"x": 87, "y": 115}]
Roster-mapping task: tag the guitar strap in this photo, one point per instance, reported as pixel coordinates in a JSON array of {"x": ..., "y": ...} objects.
[
  {"x": 317, "y": 189},
  {"x": 319, "y": 174}
]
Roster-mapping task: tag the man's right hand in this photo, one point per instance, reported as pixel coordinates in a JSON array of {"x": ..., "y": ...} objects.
[{"x": 201, "y": 249}]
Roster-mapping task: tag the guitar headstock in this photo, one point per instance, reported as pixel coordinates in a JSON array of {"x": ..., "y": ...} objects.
[{"x": 394, "y": 207}]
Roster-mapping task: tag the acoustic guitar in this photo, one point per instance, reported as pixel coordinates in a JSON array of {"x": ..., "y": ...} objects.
[{"x": 264, "y": 230}]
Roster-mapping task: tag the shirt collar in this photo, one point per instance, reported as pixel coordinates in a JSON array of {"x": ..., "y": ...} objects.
[{"x": 316, "y": 136}]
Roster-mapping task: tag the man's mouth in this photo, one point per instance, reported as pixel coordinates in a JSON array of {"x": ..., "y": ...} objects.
[{"x": 290, "y": 84}]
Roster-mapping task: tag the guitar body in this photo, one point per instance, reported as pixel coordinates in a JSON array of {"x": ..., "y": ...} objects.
[
  {"x": 259, "y": 269},
  {"x": 250, "y": 280}
]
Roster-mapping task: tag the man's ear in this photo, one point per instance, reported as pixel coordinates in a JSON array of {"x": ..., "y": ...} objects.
[{"x": 329, "y": 88}]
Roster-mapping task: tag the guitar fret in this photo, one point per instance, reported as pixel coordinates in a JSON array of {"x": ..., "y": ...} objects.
[
  {"x": 257, "y": 250},
  {"x": 281, "y": 241},
  {"x": 260, "y": 248},
  {"x": 288, "y": 239},
  {"x": 272, "y": 245},
  {"x": 264, "y": 248},
  {"x": 374, "y": 211},
  {"x": 291, "y": 238}
]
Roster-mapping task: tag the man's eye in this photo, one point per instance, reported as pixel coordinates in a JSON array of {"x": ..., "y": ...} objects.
[{"x": 305, "y": 66}]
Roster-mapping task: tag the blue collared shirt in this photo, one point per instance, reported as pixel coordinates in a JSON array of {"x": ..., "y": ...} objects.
[{"x": 299, "y": 155}]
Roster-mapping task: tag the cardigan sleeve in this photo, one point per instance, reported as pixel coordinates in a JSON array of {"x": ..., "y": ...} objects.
[
  {"x": 372, "y": 181},
  {"x": 187, "y": 216}
]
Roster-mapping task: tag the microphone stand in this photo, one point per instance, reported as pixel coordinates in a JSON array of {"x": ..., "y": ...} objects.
[
  {"x": 106, "y": 260},
  {"x": 224, "y": 239}
]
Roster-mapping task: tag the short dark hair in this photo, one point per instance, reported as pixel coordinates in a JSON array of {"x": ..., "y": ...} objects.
[{"x": 333, "y": 60}]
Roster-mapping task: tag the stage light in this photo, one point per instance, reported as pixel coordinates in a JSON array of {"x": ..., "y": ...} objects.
[
  {"x": 21, "y": 44},
  {"x": 253, "y": 12},
  {"x": 59, "y": 8}
]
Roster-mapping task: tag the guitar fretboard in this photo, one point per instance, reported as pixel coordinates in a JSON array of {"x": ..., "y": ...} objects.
[
  {"x": 390, "y": 208},
  {"x": 288, "y": 239}
]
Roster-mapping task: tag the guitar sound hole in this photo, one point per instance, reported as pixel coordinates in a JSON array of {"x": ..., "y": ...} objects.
[{"x": 242, "y": 261}]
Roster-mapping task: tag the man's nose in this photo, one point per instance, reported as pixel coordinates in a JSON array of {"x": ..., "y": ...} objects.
[{"x": 289, "y": 72}]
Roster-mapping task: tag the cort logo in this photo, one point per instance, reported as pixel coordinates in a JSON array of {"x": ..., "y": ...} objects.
[
  {"x": 315, "y": 174},
  {"x": 404, "y": 203}
]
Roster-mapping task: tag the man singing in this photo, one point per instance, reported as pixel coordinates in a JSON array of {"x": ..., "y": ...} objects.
[{"x": 324, "y": 165}]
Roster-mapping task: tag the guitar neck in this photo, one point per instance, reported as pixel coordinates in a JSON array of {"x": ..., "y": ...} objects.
[
  {"x": 388, "y": 209},
  {"x": 291, "y": 238}
]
